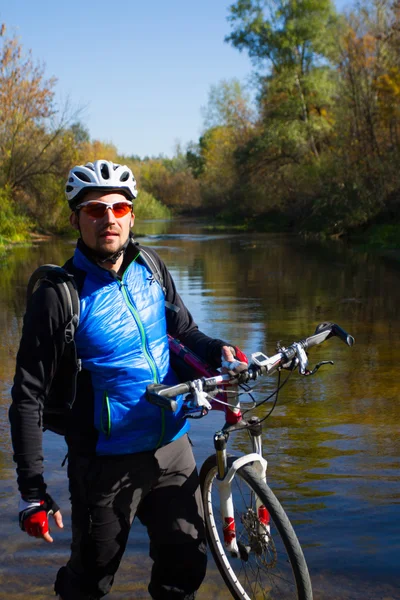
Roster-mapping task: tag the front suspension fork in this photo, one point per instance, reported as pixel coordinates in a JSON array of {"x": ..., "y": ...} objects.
[{"x": 225, "y": 477}]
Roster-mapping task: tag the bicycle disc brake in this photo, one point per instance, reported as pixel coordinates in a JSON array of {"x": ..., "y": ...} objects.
[{"x": 259, "y": 539}]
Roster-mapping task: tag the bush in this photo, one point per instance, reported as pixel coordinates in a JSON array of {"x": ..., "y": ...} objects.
[
  {"x": 147, "y": 207},
  {"x": 383, "y": 236},
  {"x": 14, "y": 227}
]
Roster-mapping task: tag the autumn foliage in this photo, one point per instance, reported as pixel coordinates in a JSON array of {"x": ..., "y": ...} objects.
[{"x": 315, "y": 150}]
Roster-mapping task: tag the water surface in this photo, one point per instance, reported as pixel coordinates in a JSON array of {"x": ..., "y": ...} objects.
[{"x": 332, "y": 442}]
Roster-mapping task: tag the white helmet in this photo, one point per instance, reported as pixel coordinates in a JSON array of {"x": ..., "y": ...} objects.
[{"x": 102, "y": 175}]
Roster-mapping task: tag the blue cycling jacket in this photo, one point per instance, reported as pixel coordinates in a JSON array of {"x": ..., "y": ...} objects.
[{"x": 122, "y": 342}]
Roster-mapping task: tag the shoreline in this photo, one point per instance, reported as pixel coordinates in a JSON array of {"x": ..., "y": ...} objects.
[{"x": 366, "y": 241}]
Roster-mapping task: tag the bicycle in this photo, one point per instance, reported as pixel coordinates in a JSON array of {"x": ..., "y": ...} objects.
[{"x": 250, "y": 536}]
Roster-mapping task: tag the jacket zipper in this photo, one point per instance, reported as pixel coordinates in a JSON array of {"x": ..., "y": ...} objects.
[
  {"x": 149, "y": 358},
  {"x": 135, "y": 314},
  {"x": 105, "y": 423}
]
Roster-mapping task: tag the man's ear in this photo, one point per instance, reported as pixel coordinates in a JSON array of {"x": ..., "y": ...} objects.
[
  {"x": 73, "y": 219},
  {"x": 132, "y": 219}
]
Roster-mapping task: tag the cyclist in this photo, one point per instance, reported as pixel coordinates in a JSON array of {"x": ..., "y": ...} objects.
[{"x": 126, "y": 457}]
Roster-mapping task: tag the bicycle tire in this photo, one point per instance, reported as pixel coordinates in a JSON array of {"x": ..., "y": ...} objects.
[{"x": 254, "y": 576}]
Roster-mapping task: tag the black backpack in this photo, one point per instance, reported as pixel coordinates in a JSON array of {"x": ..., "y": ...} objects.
[{"x": 61, "y": 394}]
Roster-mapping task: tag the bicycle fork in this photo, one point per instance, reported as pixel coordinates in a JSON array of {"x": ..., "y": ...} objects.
[{"x": 225, "y": 478}]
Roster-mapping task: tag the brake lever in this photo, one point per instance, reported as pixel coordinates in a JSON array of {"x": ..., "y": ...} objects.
[
  {"x": 196, "y": 414},
  {"x": 317, "y": 366}
]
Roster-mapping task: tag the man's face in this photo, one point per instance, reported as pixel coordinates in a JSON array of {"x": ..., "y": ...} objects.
[{"x": 105, "y": 235}]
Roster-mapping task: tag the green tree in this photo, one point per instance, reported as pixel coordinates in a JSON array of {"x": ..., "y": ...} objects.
[
  {"x": 171, "y": 182},
  {"x": 229, "y": 105},
  {"x": 219, "y": 178},
  {"x": 291, "y": 43},
  {"x": 228, "y": 125},
  {"x": 80, "y": 132}
]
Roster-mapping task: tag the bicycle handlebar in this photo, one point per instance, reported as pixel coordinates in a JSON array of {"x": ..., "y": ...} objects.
[
  {"x": 326, "y": 330},
  {"x": 293, "y": 355},
  {"x": 164, "y": 399}
]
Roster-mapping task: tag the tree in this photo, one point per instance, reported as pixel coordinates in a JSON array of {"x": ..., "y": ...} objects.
[
  {"x": 368, "y": 115},
  {"x": 33, "y": 139},
  {"x": 291, "y": 42},
  {"x": 228, "y": 105},
  {"x": 80, "y": 132},
  {"x": 220, "y": 177}
]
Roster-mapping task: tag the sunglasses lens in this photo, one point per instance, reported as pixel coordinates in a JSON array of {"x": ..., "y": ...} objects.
[
  {"x": 97, "y": 210},
  {"x": 120, "y": 209}
]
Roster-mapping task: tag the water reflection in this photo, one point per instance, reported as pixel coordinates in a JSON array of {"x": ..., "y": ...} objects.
[{"x": 332, "y": 443}]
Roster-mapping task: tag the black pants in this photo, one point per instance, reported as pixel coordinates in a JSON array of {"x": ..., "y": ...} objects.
[{"x": 107, "y": 492}]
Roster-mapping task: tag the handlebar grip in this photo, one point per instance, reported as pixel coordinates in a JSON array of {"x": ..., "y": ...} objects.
[
  {"x": 325, "y": 331},
  {"x": 163, "y": 395},
  {"x": 343, "y": 335},
  {"x": 335, "y": 329}
]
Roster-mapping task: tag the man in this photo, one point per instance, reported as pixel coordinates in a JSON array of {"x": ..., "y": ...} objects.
[{"x": 126, "y": 457}]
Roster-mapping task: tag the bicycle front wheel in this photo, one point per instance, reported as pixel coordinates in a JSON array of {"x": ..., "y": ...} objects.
[{"x": 270, "y": 564}]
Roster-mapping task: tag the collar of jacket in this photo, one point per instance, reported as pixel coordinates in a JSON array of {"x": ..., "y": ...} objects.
[{"x": 90, "y": 263}]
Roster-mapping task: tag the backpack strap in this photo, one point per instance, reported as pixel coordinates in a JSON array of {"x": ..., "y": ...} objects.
[
  {"x": 65, "y": 285},
  {"x": 151, "y": 265}
]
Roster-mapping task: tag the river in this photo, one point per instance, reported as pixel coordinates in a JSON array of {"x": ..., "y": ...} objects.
[{"x": 332, "y": 443}]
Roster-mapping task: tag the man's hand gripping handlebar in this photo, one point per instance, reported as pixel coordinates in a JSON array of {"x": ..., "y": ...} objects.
[{"x": 291, "y": 357}]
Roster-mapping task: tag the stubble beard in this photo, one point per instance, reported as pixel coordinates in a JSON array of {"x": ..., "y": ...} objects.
[{"x": 103, "y": 252}]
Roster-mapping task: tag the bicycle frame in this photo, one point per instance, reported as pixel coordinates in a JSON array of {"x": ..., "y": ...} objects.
[
  {"x": 225, "y": 478},
  {"x": 289, "y": 358}
]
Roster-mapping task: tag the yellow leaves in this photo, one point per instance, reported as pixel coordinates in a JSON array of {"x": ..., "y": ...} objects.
[
  {"x": 360, "y": 51},
  {"x": 23, "y": 88},
  {"x": 388, "y": 84},
  {"x": 387, "y": 87},
  {"x": 96, "y": 149},
  {"x": 368, "y": 42},
  {"x": 220, "y": 145},
  {"x": 364, "y": 43}
]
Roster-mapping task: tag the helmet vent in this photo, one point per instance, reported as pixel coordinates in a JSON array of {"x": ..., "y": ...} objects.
[
  {"x": 124, "y": 176},
  {"x": 69, "y": 188},
  {"x": 104, "y": 171},
  {"x": 82, "y": 176}
]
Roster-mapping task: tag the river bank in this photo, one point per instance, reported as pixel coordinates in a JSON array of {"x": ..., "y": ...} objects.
[{"x": 381, "y": 240}]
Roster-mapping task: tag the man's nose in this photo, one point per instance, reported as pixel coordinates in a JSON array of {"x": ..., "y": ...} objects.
[{"x": 109, "y": 215}]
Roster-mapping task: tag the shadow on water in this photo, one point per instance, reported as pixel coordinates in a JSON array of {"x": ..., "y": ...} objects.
[{"x": 332, "y": 443}]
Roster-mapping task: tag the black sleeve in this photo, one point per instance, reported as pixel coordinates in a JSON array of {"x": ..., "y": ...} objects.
[
  {"x": 180, "y": 323},
  {"x": 37, "y": 359}
]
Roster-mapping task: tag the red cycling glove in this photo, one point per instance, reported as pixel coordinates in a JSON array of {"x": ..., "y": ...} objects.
[
  {"x": 238, "y": 365},
  {"x": 33, "y": 518},
  {"x": 239, "y": 355}
]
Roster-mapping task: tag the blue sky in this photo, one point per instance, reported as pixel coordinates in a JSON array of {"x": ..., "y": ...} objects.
[{"x": 140, "y": 70}]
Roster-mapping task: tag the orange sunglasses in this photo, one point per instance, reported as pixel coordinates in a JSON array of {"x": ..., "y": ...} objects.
[{"x": 97, "y": 210}]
